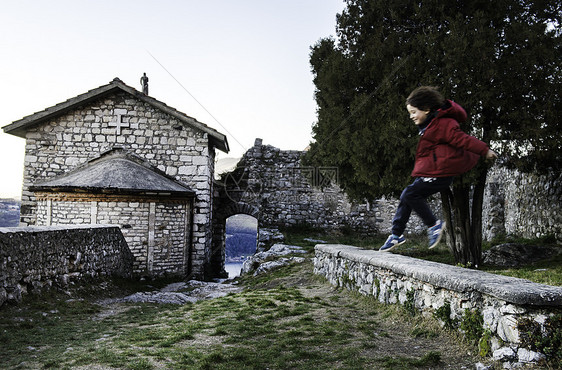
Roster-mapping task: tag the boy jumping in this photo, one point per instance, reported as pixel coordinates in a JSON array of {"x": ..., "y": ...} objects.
[{"x": 443, "y": 151}]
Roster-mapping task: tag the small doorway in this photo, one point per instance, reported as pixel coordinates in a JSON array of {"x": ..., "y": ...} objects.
[{"x": 240, "y": 242}]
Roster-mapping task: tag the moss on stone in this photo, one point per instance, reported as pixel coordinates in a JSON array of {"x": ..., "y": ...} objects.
[
  {"x": 472, "y": 325},
  {"x": 410, "y": 303},
  {"x": 546, "y": 339},
  {"x": 443, "y": 314},
  {"x": 485, "y": 343}
]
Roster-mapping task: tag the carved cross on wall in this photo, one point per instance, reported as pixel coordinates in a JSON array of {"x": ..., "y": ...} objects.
[{"x": 121, "y": 120}]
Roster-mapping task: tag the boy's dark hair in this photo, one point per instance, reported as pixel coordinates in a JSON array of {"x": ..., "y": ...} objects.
[{"x": 426, "y": 98}]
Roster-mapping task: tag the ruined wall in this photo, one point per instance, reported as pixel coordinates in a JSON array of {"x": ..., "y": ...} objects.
[
  {"x": 522, "y": 204},
  {"x": 515, "y": 203},
  {"x": 37, "y": 258},
  {"x": 182, "y": 152},
  {"x": 289, "y": 194}
]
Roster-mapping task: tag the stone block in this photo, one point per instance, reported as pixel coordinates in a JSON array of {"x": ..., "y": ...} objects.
[
  {"x": 507, "y": 329},
  {"x": 200, "y": 160},
  {"x": 490, "y": 317},
  {"x": 526, "y": 356},
  {"x": 72, "y": 161},
  {"x": 504, "y": 354},
  {"x": 187, "y": 170},
  {"x": 200, "y": 185},
  {"x": 30, "y": 158},
  {"x": 511, "y": 309}
]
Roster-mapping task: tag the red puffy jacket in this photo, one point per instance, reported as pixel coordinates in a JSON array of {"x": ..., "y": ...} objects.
[{"x": 443, "y": 149}]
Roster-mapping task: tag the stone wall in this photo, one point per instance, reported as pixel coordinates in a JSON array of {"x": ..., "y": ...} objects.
[
  {"x": 286, "y": 194},
  {"x": 451, "y": 293},
  {"x": 156, "y": 230},
  {"x": 39, "y": 257},
  {"x": 289, "y": 194},
  {"x": 515, "y": 203},
  {"x": 183, "y": 152},
  {"x": 522, "y": 204}
]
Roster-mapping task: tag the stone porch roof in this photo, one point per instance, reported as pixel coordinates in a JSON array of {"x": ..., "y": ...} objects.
[
  {"x": 116, "y": 172},
  {"x": 20, "y": 127}
]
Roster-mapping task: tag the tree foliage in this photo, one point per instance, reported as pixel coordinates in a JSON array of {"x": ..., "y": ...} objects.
[{"x": 500, "y": 60}]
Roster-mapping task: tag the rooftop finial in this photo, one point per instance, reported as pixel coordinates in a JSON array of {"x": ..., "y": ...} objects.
[{"x": 144, "y": 83}]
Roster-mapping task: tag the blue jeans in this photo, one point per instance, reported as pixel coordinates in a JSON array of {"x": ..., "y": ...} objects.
[{"x": 414, "y": 198}]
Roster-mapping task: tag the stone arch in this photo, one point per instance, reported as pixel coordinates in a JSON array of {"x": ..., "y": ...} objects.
[
  {"x": 236, "y": 208},
  {"x": 224, "y": 207}
]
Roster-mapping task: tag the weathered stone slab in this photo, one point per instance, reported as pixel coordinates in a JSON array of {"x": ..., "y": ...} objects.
[{"x": 509, "y": 289}]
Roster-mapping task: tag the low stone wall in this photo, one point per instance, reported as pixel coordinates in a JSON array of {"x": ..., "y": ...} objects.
[
  {"x": 36, "y": 258},
  {"x": 505, "y": 305}
]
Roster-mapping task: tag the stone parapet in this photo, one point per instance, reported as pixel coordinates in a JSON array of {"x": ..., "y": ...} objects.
[
  {"x": 505, "y": 305},
  {"x": 40, "y": 257}
]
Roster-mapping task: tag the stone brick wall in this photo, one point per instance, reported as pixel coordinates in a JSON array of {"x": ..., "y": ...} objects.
[
  {"x": 503, "y": 303},
  {"x": 515, "y": 203},
  {"x": 171, "y": 239},
  {"x": 37, "y": 258},
  {"x": 204, "y": 229},
  {"x": 61, "y": 144},
  {"x": 522, "y": 204},
  {"x": 289, "y": 194},
  {"x": 156, "y": 230}
]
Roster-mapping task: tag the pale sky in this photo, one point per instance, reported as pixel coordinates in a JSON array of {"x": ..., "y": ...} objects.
[{"x": 246, "y": 62}]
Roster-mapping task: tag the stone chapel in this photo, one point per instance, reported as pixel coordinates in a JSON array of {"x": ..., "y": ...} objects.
[{"x": 115, "y": 155}]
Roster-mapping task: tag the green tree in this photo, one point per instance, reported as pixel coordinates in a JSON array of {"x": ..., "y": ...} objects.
[{"x": 500, "y": 60}]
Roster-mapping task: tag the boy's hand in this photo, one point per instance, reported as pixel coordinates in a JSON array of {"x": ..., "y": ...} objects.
[{"x": 491, "y": 155}]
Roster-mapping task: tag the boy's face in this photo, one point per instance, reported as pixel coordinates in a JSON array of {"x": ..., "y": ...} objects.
[{"x": 416, "y": 115}]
